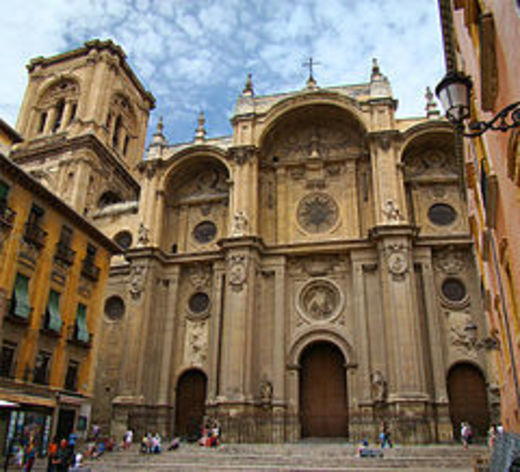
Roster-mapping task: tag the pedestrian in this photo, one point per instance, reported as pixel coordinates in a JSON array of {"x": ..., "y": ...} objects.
[
  {"x": 63, "y": 459},
  {"x": 492, "y": 435},
  {"x": 464, "y": 434},
  {"x": 129, "y": 437},
  {"x": 29, "y": 455},
  {"x": 95, "y": 431},
  {"x": 73, "y": 439},
  {"x": 384, "y": 436},
  {"x": 51, "y": 454}
]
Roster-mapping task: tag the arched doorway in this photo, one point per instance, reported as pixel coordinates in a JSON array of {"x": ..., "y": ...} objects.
[
  {"x": 190, "y": 404},
  {"x": 323, "y": 391},
  {"x": 468, "y": 399}
]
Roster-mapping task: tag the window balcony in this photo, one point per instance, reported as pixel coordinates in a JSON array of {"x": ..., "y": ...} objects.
[
  {"x": 14, "y": 318},
  {"x": 48, "y": 331},
  {"x": 7, "y": 216},
  {"x": 90, "y": 270},
  {"x": 64, "y": 254},
  {"x": 35, "y": 235}
]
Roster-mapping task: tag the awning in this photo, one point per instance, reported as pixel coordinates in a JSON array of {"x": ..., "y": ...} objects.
[
  {"x": 6, "y": 404},
  {"x": 27, "y": 399}
]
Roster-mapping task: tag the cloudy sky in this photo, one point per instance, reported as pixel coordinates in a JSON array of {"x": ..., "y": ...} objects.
[{"x": 194, "y": 54}]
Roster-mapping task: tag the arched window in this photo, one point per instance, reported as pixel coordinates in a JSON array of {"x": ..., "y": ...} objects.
[
  {"x": 58, "y": 117},
  {"x": 121, "y": 124},
  {"x": 109, "y": 198},
  {"x": 117, "y": 130}
]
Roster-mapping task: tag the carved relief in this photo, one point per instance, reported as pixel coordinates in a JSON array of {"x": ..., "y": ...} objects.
[
  {"x": 320, "y": 300},
  {"x": 317, "y": 212},
  {"x": 460, "y": 336},
  {"x": 240, "y": 224},
  {"x": 242, "y": 154},
  {"x": 317, "y": 265},
  {"x": 237, "y": 271},
  {"x": 196, "y": 343},
  {"x": 449, "y": 260},
  {"x": 397, "y": 260},
  {"x": 143, "y": 235},
  {"x": 199, "y": 275},
  {"x": 137, "y": 281},
  {"x": 430, "y": 164},
  {"x": 392, "y": 212},
  {"x": 266, "y": 393}
]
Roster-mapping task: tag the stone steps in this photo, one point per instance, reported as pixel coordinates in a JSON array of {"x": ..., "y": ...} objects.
[{"x": 300, "y": 457}]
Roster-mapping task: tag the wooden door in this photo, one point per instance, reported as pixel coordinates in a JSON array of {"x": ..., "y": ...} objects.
[
  {"x": 323, "y": 395},
  {"x": 468, "y": 399},
  {"x": 190, "y": 404}
]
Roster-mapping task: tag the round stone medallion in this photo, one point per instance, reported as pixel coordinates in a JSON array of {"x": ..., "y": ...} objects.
[
  {"x": 317, "y": 212},
  {"x": 205, "y": 232},
  {"x": 199, "y": 302},
  {"x": 453, "y": 290},
  {"x": 320, "y": 300},
  {"x": 114, "y": 308},
  {"x": 442, "y": 214}
]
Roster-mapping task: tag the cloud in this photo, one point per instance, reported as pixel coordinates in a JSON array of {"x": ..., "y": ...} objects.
[{"x": 197, "y": 53}]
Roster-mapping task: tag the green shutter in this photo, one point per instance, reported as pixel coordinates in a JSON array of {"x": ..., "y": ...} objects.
[
  {"x": 81, "y": 324},
  {"x": 22, "y": 307},
  {"x": 53, "y": 310},
  {"x": 4, "y": 190}
]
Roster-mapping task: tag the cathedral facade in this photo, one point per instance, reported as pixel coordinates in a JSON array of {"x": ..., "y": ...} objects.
[{"x": 311, "y": 274}]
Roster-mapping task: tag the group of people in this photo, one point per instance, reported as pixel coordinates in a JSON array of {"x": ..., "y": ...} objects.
[
  {"x": 151, "y": 444},
  {"x": 210, "y": 433}
]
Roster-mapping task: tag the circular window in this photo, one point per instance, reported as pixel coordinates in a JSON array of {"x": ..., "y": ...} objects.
[
  {"x": 199, "y": 302},
  {"x": 205, "y": 232},
  {"x": 114, "y": 308},
  {"x": 453, "y": 290},
  {"x": 123, "y": 239},
  {"x": 317, "y": 212},
  {"x": 442, "y": 214}
]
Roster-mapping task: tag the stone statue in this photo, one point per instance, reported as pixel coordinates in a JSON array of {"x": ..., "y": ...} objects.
[
  {"x": 378, "y": 386},
  {"x": 266, "y": 392},
  {"x": 391, "y": 211},
  {"x": 142, "y": 235},
  {"x": 240, "y": 223}
]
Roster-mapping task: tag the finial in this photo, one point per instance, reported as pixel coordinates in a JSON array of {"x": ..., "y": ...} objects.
[
  {"x": 431, "y": 105},
  {"x": 248, "y": 88},
  {"x": 158, "y": 138},
  {"x": 200, "y": 132},
  {"x": 376, "y": 71},
  {"x": 160, "y": 125},
  {"x": 311, "y": 81}
]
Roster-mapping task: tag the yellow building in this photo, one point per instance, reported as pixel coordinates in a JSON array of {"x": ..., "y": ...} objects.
[{"x": 53, "y": 269}]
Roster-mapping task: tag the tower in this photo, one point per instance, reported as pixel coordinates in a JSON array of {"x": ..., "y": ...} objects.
[{"x": 84, "y": 120}]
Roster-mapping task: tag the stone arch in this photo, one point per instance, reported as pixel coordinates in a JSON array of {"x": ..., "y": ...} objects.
[
  {"x": 196, "y": 191},
  {"x": 321, "y": 335},
  {"x": 291, "y": 104},
  {"x": 121, "y": 123},
  {"x": 190, "y": 402},
  {"x": 108, "y": 197}
]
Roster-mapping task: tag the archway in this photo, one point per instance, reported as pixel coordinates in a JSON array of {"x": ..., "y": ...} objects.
[
  {"x": 323, "y": 391},
  {"x": 468, "y": 399},
  {"x": 190, "y": 404}
]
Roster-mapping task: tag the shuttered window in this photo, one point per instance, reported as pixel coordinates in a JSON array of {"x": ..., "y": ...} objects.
[
  {"x": 20, "y": 302},
  {"x": 53, "y": 312},
  {"x": 81, "y": 324},
  {"x": 4, "y": 190}
]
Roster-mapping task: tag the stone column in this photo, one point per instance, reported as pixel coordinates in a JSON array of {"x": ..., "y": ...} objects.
[
  {"x": 282, "y": 204},
  {"x": 279, "y": 354}
]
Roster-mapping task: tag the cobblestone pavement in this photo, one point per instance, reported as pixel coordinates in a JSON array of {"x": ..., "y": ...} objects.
[{"x": 300, "y": 457}]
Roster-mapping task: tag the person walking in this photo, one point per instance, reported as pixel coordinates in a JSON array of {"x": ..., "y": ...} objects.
[
  {"x": 29, "y": 456},
  {"x": 129, "y": 437},
  {"x": 384, "y": 436}
]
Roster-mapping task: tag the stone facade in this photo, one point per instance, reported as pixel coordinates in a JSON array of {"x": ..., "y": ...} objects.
[{"x": 309, "y": 274}]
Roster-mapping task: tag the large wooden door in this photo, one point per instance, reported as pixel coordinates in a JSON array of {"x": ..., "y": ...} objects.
[
  {"x": 323, "y": 395},
  {"x": 190, "y": 404},
  {"x": 468, "y": 399}
]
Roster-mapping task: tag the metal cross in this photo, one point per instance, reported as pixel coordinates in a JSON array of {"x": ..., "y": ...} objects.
[{"x": 309, "y": 64}]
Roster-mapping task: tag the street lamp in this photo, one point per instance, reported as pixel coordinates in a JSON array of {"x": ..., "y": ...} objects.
[{"x": 454, "y": 92}]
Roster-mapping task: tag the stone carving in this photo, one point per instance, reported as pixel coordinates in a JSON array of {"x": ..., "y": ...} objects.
[
  {"x": 266, "y": 393},
  {"x": 397, "y": 261},
  {"x": 317, "y": 212},
  {"x": 392, "y": 212},
  {"x": 459, "y": 335},
  {"x": 237, "y": 270},
  {"x": 240, "y": 224},
  {"x": 196, "y": 346},
  {"x": 137, "y": 280},
  {"x": 142, "y": 235},
  {"x": 379, "y": 387},
  {"x": 430, "y": 164},
  {"x": 199, "y": 275},
  {"x": 242, "y": 154},
  {"x": 450, "y": 260},
  {"x": 320, "y": 300}
]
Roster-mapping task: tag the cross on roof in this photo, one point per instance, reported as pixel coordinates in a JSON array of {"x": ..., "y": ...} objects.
[{"x": 309, "y": 64}]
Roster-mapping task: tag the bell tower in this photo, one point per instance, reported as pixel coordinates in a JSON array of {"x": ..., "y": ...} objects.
[{"x": 84, "y": 120}]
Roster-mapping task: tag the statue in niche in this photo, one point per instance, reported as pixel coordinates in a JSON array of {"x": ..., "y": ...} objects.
[
  {"x": 378, "y": 384},
  {"x": 266, "y": 392},
  {"x": 137, "y": 281},
  {"x": 392, "y": 212},
  {"x": 240, "y": 223},
  {"x": 142, "y": 235}
]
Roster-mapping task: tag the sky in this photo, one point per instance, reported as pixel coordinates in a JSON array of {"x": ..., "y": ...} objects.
[{"x": 196, "y": 54}]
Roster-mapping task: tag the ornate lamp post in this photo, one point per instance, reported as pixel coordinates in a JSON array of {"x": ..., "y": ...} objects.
[{"x": 454, "y": 92}]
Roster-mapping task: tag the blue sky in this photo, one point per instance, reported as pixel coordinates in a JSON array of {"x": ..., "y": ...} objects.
[{"x": 194, "y": 54}]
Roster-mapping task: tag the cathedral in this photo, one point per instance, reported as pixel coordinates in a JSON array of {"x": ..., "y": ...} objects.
[{"x": 309, "y": 275}]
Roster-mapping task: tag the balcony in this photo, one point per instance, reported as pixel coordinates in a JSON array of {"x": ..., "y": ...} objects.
[
  {"x": 64, "y": 254},
  {"x": 6, "y": 216},
  {"x": 45, "y": 329},
  {"x": 35, "y": 235},
  {"x": 90, "y": 270},
  {"x": 73, "y": 338}
]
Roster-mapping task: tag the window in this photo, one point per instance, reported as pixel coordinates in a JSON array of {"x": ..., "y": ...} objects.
[
  {"x": 6, "y": 214},
  {"x": 114, "y": 308},
  {"x": 63, "y": 251},
  {"x": 71, "y": 379},
  {"x": 123, "y": 239},
  {"x": 52, "y": 313},
  {"x": 42, "y": 367},
  {"x": 454, "y": 290},
  {"x": 59, "y": 115},
  {"x": 89, "y": 268},
  {"x": 73, "y": 110},
  {"x": 20, "y": 306},
  {"x": 442, "y": 214},
  {"x": 125, "y": 146},
  {"x": 91, "y": 252},
  {"x": 43, "y": 120},
  {"x": 81, "y": 331},
  {"x": 117, "y": 128},
  {"x": 4, "y": 192},
  {"x": 7, "y": 359}
]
